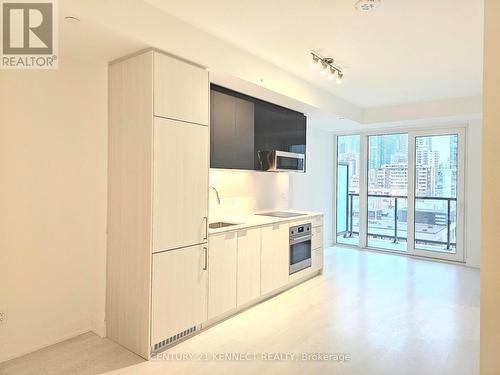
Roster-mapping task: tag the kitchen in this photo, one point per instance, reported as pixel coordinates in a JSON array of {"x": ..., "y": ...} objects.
[{"x": 197, "y": 271}]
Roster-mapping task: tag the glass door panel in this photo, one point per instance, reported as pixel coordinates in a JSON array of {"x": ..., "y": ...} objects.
[
  {"x": 387, "y": 191},
  {"x": 348, "y": 168},
  {"x": 436, "y": 186}
]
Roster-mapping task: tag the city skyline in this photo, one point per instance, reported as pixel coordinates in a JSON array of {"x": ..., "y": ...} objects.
[{"x": 435, "y": 163}]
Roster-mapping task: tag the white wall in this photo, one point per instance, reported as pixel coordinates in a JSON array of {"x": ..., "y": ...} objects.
[
  {"x": 445, "y": 108},
  {"x": 53, "y": 141},
  {"x": 244, "y": 192},
  {"x": 313, "y": 190},
  {"x": 490, "y": 254}
]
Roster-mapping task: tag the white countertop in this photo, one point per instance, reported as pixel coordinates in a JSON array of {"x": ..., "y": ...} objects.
[{"x": 254, "y": 220}]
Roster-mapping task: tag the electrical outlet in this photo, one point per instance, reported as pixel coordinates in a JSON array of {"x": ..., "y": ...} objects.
[{"x": 3, "y": 317}]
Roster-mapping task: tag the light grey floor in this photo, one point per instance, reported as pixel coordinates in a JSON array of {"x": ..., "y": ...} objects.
[
  {"x": 391, "y": 314},
  {"x": 83, "y": 355}
]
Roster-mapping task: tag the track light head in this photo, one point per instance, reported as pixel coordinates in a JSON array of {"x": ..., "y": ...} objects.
[
  {"x": 340, "y": 76},
  {"x": 331, "y": 74},
  {"x": 315, "y": 64},
  {"x": 326, "y": 66}
]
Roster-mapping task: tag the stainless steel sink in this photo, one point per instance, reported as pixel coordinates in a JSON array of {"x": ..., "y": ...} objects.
[{"x": 220, "y": 224}]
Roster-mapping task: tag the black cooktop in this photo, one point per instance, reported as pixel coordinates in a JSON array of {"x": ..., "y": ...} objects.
[{"x": 283, "y": 214}]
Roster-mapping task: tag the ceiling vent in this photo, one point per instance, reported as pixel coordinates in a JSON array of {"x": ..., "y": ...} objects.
[{"x": 365, "y": 6}]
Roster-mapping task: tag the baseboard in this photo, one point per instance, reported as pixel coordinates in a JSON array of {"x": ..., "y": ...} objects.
[{"x": 472, "y": 264}]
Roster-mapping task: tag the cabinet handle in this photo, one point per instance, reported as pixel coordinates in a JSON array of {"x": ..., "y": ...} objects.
[
  {"x": 206, "y": 258},
  {"x": 205, "y": 218}
]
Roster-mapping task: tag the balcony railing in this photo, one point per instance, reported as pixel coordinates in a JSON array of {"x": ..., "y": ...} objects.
[{"x": 349, "y": 232}]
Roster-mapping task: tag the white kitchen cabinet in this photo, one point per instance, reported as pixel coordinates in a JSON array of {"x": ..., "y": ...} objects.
[
  {"x": 179, "y": 291},
  {"x": 181, "y": 90},
  {"x": 317, "y": 259},
  {"x": 317, "y": 237},
  {"x": 158, "y": 166},
  {"x": 222, "y": 267},
  {"x": 248, "y": 274},
  {"x": 275, "y": 254},
  {"x": 180, "y": 189}
]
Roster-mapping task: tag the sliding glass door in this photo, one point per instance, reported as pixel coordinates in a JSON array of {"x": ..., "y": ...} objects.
[
  {"x": 387, "y": 191},
  {"x": 438, "y": 194},
  {"x": 410, "y": 198}
]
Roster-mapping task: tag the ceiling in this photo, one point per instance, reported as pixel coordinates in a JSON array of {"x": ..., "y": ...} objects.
[
  {"x": 405, "y": 51},
  {"x": 87, "y": 41}
]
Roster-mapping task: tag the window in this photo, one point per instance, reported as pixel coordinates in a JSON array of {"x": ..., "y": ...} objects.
[{"x": 410, "y": 198}]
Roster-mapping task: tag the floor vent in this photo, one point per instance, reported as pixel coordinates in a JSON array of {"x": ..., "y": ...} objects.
[{"x": 171, "y": 340}]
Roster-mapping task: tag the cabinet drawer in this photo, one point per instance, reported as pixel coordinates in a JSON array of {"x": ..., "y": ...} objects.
[
  {"x": 317, "y": 237},
  {"x": 317, "y": 221}
]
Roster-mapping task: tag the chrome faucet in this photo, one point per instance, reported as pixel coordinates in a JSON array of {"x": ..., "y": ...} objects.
[{"x": 216, "y": 194}]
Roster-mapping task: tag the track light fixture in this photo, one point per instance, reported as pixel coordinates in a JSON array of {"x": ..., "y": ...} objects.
[{"x": 327, "y": 67}]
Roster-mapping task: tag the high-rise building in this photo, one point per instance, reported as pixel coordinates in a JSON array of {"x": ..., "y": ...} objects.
[
  {"x": 391, "y": 179},
  {"x": 453, "y": 151},
  {"x": 383, "y": 148}
]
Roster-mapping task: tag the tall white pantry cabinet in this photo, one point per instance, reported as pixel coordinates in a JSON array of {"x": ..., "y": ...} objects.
[{"x": 157, "y": 200}]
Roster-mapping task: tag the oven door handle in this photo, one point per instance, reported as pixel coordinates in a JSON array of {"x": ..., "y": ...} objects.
[{"x": 296, "y": 240}]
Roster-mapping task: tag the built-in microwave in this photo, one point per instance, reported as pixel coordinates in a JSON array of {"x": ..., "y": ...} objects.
[{"x": 279, "y": 161}]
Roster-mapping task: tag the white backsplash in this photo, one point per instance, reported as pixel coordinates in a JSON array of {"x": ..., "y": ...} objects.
[{"x": 245, "y": 192}]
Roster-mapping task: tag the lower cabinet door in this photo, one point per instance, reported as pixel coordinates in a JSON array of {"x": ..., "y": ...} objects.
[
  {"x": 179, "y": 291},
  {"x": 248, "y": 265},
  {"x": 317, "y": 259},
  {"x": 317, "y": 237},
  {"x": 275, "y": 254},
  {"x": 222, "y": 265}
]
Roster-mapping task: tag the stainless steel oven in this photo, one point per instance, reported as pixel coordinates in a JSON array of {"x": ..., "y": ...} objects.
[{"x": 300, "y": 247}]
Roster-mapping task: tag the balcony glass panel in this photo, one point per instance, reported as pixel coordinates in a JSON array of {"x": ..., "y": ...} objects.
[{"x": 348, "y": 150}]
